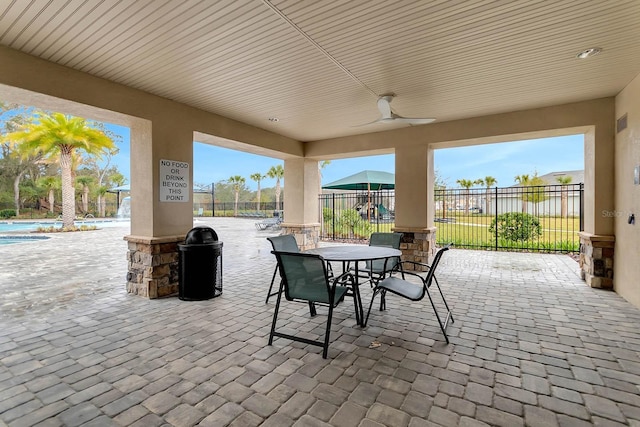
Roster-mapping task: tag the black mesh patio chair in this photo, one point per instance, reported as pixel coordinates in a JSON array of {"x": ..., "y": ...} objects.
[
  {"x": 413, "y": 291},
  {"x": 283, "y": 243},
  {"x": 374, "y": 271},
  {"x": 305, "y": 279}
]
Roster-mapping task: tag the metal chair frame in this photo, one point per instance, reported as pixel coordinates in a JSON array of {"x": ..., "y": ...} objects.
[
  {"x": 413, "y": 292},
  {"x": 334, "y": 294}
]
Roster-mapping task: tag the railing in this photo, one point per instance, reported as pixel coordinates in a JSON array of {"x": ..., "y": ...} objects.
[
  {"x": 245, "y": 209},
  {"x": 354, "y": 216},
  {"x": 535, "y": 218},
  {"x": 34, "y": 211}
]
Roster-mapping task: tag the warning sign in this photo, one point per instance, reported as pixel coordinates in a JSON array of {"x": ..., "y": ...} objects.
[{"x": 174, "y": 181}]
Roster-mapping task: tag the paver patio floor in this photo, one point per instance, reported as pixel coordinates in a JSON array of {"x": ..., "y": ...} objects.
[{"x": 531, "y": 345}]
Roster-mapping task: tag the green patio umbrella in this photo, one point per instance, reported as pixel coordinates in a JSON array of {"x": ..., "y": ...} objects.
[{"x": 365, "y": 180}]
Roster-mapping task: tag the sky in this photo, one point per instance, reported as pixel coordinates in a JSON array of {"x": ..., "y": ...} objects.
[{"x": 502, "y": 161}]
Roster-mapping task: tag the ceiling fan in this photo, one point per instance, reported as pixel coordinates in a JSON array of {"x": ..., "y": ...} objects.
[{"x": 388, "y": 116}]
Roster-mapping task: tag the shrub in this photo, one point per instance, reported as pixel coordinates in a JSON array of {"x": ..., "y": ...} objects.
[
  {"x": 327, "y": 215},
  {"x": 516, "y": 226},
  {"x": 7, "y": 213},
  {"x": 351, "y": 222}
]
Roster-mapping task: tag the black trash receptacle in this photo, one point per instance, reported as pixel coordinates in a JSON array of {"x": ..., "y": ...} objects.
[{"x": 200, "y": 265}]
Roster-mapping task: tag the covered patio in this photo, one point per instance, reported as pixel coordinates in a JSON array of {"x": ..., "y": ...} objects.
[{"x": 531, "y": 345}]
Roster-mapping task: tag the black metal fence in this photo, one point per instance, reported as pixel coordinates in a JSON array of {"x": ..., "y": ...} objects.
[
  {"x": 534, "y": 218},
  {"x": 35, "y": 211},
  {"x": 354, "y": 216},
  {"x": 245, "y": 209}
]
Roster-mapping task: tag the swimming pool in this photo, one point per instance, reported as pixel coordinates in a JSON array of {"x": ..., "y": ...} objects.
[
  {"x": 8, "y": 240},
  {"x": 18, "y": 226}
]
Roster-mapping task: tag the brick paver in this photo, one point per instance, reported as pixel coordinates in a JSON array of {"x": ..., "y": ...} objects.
[{"x": 531, "y": 345}]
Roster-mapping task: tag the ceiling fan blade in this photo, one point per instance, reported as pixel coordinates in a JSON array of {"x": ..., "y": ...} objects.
[
  {"x": 388, "y": 116},
  {"x": 384, "y": 105},
  {"x": 413, "y": 121}
]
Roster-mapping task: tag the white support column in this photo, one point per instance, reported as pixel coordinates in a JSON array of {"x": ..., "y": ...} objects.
[
  {"x": 301, "y": 212},
  {"x": 414, "y": 202},
  {"x": 157, "y": 226}
]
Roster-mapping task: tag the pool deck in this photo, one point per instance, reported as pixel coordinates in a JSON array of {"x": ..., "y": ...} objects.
[{"x": 531, "y": 345}]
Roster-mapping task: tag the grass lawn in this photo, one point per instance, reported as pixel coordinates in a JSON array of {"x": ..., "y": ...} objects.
[{"x": 472, "y": 231}]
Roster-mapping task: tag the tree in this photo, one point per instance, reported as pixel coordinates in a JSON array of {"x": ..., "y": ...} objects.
[
  {"x": 14, "y": 166},
  {"x": 321, "y": 165},
  {"x": 58, "y": 135},
  {"x": 103, "y": 173},
  {"x": 564, "y": 195},
  {"x": 277, "y": 173},
  {"x": 237, "y": 182},
  {"x": 487, "y": 182},
  {"x": 257, "y": 177},
  {"x": 534, "y": 195},
  {"x": 85, "y": 181},
  {"x": 50, "y": 184},
  {"x": 466, "y": 184}
]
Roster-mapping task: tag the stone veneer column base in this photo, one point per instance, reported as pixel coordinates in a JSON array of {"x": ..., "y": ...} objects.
[
  {"x": 418, "y": 244},
  {"x": 153, "y": 266},
  {"x": 307, "y": 235},
  {"x": 596, "y": 260}
]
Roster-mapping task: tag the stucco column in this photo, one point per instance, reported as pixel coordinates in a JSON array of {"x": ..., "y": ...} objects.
[
  {"x": 414, "y": 208},
  {"x": 157, "y": 226},
  {"x": 301, "y": 217},
  {"x": 597, "y": 241}
]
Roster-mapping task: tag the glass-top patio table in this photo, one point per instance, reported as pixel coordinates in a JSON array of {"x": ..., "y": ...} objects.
[{"x": 355, "y": 255}]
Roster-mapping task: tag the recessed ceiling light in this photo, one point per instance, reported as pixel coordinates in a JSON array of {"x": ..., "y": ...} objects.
[
  {"x": 274, "y": 119},
  {"x": 592, "y": 51}
]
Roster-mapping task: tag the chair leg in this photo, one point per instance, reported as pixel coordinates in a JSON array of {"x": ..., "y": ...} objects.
[
  {"x": 312, "y": 309},
  {"x": 275, "y": 317},
  {"x": 373, "y": 297},
  {"x": 325, "y": 347},
  {"x": 273, "y": 279},
  {"x": 383, "y": 300},
  {"x": 443, "y": 299},
  {"x": 443, "y": 326}
]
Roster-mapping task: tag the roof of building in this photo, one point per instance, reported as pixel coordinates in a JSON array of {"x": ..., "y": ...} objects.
[{"x": 577, "y": 177}]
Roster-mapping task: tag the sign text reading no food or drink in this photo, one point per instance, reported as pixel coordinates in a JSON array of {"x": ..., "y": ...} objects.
[{"x": 174, "y": 181}]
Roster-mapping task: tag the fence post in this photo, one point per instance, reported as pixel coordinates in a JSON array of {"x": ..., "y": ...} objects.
[
  {"x": 495, "y": 216},
  {"x": 333, "y": 216},
  {"x": 581, "y": 206}
]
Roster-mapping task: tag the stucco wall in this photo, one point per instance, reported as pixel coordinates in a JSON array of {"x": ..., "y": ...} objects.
[{"x": 627, "y": 196}]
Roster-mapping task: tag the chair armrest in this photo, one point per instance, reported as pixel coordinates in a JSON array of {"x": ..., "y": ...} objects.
[
  {"x": 342, "y": 278},
  {"x": 415, "y": 263}
]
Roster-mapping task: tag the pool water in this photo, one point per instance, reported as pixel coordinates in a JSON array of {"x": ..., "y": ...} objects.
[
  {"x": 8, "y": 240},
  {"x": 9, "y": 226},
  {"x": 18, "y": 226}
]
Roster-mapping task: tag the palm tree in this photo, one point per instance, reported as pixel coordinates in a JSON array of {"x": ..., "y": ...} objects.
[
  {"x": 321, "y": 165},
  {"x": 85, "y": 181},
  {"x": 467, "y": 184},
  {"x": 257, "y": 177},
  {"x": 101, "y": 200},
  {"x": 524, "y": 181},
  {"x": 534, "y": 195},
  {"x": 487, "y": 182},
  {"x": 277, "y": 173},
  {"x": 50, "y": 184},
  {"x": 564, "y": 196},
  {"x": 237, "y": 182},
  {"x": 59, "y": 135}
]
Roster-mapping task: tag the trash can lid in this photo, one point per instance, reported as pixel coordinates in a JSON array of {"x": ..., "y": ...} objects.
[{"x": 201, "y": 235}]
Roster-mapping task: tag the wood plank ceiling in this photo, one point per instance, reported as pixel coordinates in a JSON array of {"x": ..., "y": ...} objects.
[{"x": 318, "y": 66}]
